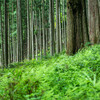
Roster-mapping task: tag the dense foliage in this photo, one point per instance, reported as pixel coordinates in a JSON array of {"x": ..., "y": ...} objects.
[{"x": 57, "y": 78}]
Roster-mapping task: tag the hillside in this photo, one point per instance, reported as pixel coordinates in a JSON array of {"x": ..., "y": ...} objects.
[{"x": 60, "y": 77}]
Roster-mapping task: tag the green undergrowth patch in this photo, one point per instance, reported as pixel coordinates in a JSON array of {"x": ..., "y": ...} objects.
[{"x": 60, "y": 77}]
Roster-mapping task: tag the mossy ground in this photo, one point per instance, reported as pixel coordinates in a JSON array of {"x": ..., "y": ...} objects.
[{"x": 60, "y": 77}]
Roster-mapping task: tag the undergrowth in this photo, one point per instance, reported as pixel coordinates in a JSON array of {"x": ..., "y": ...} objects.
[{"x": 60, "y": 77}]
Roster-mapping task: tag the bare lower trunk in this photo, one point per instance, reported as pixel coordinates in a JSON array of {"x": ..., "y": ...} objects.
[
  {"x": 77, "y": 34},
  {"x": 94, "y": 21},
  {"x": 70, "y": 29}
]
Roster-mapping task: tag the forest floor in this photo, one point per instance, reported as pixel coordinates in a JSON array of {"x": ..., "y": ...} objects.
[{"x": 60, "y": 77}]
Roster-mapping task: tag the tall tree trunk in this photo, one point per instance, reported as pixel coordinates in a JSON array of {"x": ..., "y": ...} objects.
[
  {"x": 9, "y": 49},
  {"x": 60, "y": 33},
  {"x": 70, "y": 29},
  {"x": 57, "y": 26},
  {"x": 24, "y": 28},
  {"x": 6, "y": 31},
  {"x": 32, "y": 18},
  {"x": 64, "y": 26},
  {"x": 40, "y": 34},
  {"x": 51, "y": 14},
  {"x": 13, "y": 38},
  {"x": 28, "y": 32},
  {"x": 43, "y": 29},
  {"x": 36, "y": 38},
  {"x": 36, "y": 41},
  {"x": 46, "y": 33},
  {"x": 76, "y": 29},
  {"x": 30, "y": 49},
  {"x": 2, "y": 40},
  {"x": 84, "y": 22},
  {"x": 19, "y": 45},
  {"x": 94, "y": 21}
]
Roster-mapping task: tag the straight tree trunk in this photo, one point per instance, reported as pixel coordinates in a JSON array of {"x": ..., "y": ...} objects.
[
  {"x": 51, "y": 14},
  {"x": 46, "y": 33},
  {"x": 32, "y": 18},
  {"x": 57, "y": 26},
  {"x": 6, "y": 32},
  {"x": 28, "y": 32},
  {"x": 40, "y": 34},
  {"x": 36, "y": 41},
  {"x": 84, "y": 22},
  {"x": 53, "y": 27},
  {"x": 13, "y": 38},
  {"x": 9, "y": 49},
  {"x": 60, "y": 33},
  {"x": 2, "y": 44},
  {"x": 94, "y": 21},
  {"x": 30, "y": 49},
  {"x": 19, "y": 45},
  {"x": 64, "y": 26},
  {"x": 36, "y": 38},
  {"x": 75, "y": 25},
  {"x": 43, "y": 29},
  {"x": 70, "y": 29},
  {"x": 2, "y": 37},
  {"x": 78, "y": 30}
]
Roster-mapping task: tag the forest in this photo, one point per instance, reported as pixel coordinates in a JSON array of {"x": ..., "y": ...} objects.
[{"x": 49, "y": 49}]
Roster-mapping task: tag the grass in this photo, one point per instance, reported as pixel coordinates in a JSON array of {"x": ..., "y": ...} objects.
[{"x": 60, "y": 77}]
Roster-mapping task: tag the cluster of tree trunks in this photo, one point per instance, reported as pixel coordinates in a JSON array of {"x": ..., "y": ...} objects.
[
  {"x": 30, "y": 36},
  {"x": 83, "y": 25},
  {"x": 40, "y": 27}
]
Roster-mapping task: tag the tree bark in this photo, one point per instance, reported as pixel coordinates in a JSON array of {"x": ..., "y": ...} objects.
[
  {"x": 32, "y": 19},
  {"x": 64, "y": 26},
  {"x": 9, "y": 46},
  {"x": 85, "y": 23},
  {"x": 94, "y": 21},
  {"x": 6, "y": 31},
  {"x": 77, "y": 34},
  {"x": 19, "y": 45},
  {"x": 51, "y": 15},
  {"x": 70, "y": 29},
  {"x": 28, "y": 32},
  {"x": 36, "y": 38},
  {"x": 43, "y": 29},
  {"x": 13, "y": 38},
  {"x": 57, "y": 26},
  {"x": 2, "y": 38},
  {"x": 60, "y": 33},
  {"x": 40, "y": 34}
]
